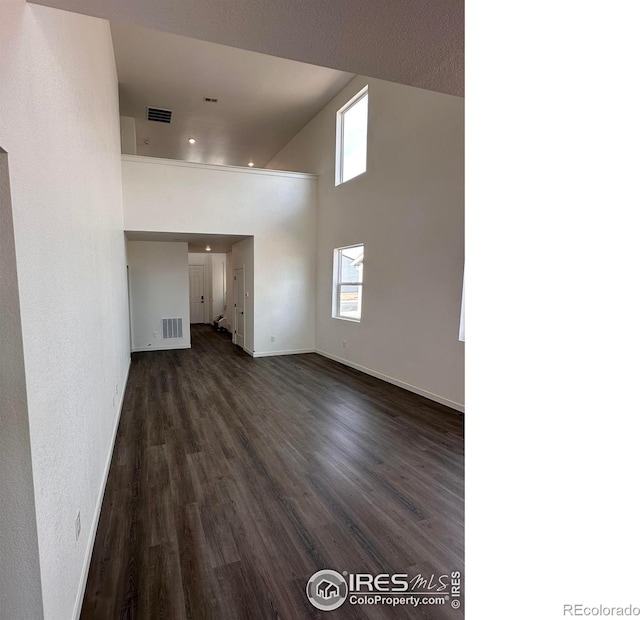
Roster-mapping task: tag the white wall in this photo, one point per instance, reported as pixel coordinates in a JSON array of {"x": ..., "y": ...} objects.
[
  {"x": 277, "y": 208},
  {"x": 128, "y": 135},
  {"x": 408, "y": 211},
  {"x": 60, "y": 127},
  {"x": 218, "y": 281},
  {"x": 228, "y": 312},
  {"x": 159, "y": 289}
]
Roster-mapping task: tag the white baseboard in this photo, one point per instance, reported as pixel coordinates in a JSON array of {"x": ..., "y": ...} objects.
[
  {"x": 165, "y": 348},
  {"x": 96, "y": 515},
  {"x": 407, "y": 386},
  {"x": 287, "y": 352}
]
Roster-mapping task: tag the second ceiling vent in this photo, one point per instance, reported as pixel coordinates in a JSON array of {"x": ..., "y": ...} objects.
[{"x": 159, "y": 115}]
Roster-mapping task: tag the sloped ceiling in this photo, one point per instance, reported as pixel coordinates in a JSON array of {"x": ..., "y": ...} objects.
[
  {"x": 262, "y": 101},
  {"x": 414, "y": 42}
]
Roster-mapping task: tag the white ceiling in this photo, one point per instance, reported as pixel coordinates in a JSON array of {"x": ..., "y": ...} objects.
[
  {"x": 197, "y": 242},
  {"x": 414, "y": 42},
  {"x": 263, "y": 101}
]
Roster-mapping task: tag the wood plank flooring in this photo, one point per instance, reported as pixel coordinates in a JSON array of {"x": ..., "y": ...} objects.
[{"x": 234, "y": 479}]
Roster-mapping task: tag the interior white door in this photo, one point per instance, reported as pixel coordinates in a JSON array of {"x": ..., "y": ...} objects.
[
  {"x": 196, "y": 293},
  {"x": 238, "y": 306}
]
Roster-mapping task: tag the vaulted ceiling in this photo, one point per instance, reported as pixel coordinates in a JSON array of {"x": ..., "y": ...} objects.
[
  {"x": 262, "y": 101},
  {"x": 272, "y": 65},
  {"x": 414, "y": 42}
]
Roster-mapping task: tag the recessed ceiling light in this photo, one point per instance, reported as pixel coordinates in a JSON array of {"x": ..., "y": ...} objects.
[
  {"x": 192, "y": 140},
  {"x": 208, "y": 248},
  {"x": 250, "y": 164}
]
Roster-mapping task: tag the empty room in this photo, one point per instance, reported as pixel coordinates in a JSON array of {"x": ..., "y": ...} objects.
[{"x": 232, "y": 311}]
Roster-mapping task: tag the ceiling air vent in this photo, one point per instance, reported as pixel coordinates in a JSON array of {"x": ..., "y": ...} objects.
[{"x": 159, "y": 115}]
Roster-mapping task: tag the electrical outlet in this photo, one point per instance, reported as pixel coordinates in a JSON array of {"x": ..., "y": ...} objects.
[
  {"x": 155, "y": 334},
  {"x": 78, "y": 526},
  {"x": 116, "y": 389},
  {"x": 344, "y": 344},
  {"x": 273, "y": 338}
]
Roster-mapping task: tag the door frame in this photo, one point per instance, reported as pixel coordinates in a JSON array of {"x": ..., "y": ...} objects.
[{"x": 236, "y": 296}]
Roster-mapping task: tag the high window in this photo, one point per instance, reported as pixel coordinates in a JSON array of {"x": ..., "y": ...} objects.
[
  {"x": 347, "y": 291},
  {"x": 351, "y": 137}
]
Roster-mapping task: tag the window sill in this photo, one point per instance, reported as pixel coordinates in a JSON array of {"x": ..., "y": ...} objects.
[
  {"x": 344, "y": 318},
  {"x": 358, "y": 176}
]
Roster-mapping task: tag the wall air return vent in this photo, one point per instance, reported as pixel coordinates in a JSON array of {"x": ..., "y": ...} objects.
[
  {"x": 159, "y": 115},
  {"x": 171, "y": 328}
]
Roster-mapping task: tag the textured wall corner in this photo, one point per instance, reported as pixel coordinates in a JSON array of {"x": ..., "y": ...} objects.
[{"x": 20, "y": 587}]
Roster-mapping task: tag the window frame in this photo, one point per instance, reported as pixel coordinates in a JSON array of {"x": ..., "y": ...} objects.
[
  {"x": 340, "y": 114},
  {"x": 338, "y": 283}
]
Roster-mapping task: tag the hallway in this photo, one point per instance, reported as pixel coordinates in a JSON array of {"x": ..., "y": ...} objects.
[{"x": 234, "y": 479}]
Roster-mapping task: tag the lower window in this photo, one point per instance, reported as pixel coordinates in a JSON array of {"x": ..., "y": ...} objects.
[{"x": 348, "y": 265}]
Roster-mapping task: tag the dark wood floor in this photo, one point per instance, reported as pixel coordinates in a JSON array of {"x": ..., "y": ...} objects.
[{"x": 234, "y": 479}]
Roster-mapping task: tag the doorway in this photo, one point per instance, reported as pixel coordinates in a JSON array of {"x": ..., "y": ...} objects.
[
  {"x": 239, "y": 295},
  {"x": 196, "y": 293}
]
